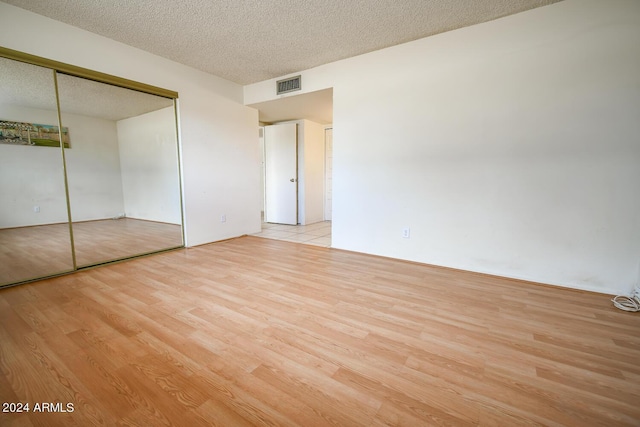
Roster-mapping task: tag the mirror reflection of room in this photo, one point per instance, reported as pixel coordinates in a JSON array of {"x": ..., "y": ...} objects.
[
  {"x": 122, "y": 168},
  {"x": 121, "y": 197}
]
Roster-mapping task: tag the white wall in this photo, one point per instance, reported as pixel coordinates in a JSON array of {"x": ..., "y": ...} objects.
[
  {"x": 313, "y": 141},
  {"x": 262, "y": 169},
  {"x": 218, "y": 134},
  {"x": 93, "y": 168},
  {"x": 33, "y": 176},
  {"x": 149, "y": 164},
  {"x": 328, "y": 173},
  {"x": 42, "y": 185},
  {"x": 221, "y": 167},
  {"x": 509, "y": 147}
]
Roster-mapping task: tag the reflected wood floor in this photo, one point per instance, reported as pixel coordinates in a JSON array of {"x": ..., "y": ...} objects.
[
  {"x": 262, "y": 332},
  {"x": 44, "y": 250}
]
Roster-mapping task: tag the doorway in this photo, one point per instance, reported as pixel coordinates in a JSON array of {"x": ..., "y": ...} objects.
[{"x": 314, "y": 111}]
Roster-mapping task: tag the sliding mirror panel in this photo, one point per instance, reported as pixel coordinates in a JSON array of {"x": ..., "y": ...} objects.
[
  {"x": 122, "y": 170},
  {"x": 34, "y": 229}
]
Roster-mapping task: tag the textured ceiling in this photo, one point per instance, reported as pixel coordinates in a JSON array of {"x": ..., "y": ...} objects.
[
  {"x": 247, "y": 41},
  {"x": 29, "y": 86}
]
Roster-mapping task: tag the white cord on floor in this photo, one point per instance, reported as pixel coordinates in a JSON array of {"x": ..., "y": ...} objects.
[{"x": 631, "y": 303}]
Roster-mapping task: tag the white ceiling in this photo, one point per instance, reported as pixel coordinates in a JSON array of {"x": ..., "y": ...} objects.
[{"x": 247, "y": 41}]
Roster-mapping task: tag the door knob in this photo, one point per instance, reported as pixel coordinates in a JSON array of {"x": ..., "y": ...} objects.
[{"x": 292, "y": 180}]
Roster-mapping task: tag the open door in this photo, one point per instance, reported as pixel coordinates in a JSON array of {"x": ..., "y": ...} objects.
[{"x": 281, "y": 173}]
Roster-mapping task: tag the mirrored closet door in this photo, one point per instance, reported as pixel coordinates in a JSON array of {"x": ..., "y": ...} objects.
[
  {"x": 34, "y": 228},
  {"x": 88, "y": 177},
  {"x": 122, "y": 167}
]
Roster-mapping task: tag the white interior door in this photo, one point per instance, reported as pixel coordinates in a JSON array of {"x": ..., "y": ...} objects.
[{"x": 281, "y": 174}]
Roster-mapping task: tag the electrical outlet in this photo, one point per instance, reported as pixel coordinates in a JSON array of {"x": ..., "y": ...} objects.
[
  {"x": 36, "y": 209},
  {"x": 223, "y": 218},
  {"x": 406, "y": 233}
]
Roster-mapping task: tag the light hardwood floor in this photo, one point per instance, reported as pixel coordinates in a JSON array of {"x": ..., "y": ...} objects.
[
  {"x": 45, "y": 250},
  {"x": 254, "y": 331}
]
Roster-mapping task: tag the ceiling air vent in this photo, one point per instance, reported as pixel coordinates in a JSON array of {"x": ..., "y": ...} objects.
[{"x": 288, "y": 85}]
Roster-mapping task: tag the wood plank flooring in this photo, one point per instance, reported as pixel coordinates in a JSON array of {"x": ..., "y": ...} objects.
[
  {"x": 100, "y": 241},
  {"x": 262, "y": 332},
  {"x": 45, "y": 250}
]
